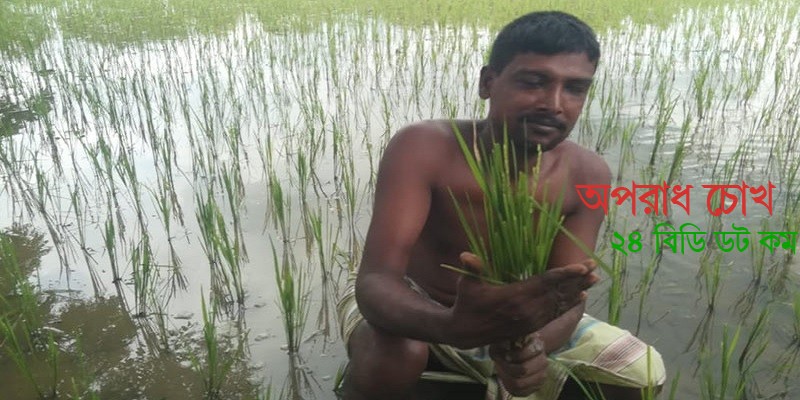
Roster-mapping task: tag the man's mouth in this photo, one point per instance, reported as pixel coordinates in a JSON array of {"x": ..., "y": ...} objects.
[{"x": 542, "y": 124}]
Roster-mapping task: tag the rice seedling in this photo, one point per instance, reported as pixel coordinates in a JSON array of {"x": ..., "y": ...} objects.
[
  {"x": 716, "y": 382},
  {"x": 298, "y": 383},
  {"x": 293, "y": 301},
  {"x": 679, "y": 153},
  {"x": 52, "y": 359},
  {"x": 521, "y": 230},
  {"x": 650, "y": 391},
  {"x": 349, "y": 184},
  {"x": 82, "y": 382},
  {"x": 703, "y": 92},
  {"x": 702, "y": 332},
  {"x": 224, "y": 252},
  {"x": 216, "y": 365},
  {"x": 24, "y": 311},
  {"x": 754, "y": 347},
  {"x": 20, "y": 319},
  {"x": 280, "y": 208},
  {"x": 665, "y": 111},
  {"x": 710, "y": 270},
  {"x": 17, "y": 349},
  {"x": 91, "y": 263},
  {"x": 144, "y": 276},
  {"x": 109, "y": 238}
]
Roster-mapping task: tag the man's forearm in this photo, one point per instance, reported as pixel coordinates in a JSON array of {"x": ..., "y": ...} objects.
[
  {"x": 387, "y": 302},
  {"x": 558, "y": 332}
]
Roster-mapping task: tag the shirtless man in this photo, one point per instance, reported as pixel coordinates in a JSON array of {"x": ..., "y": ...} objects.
[{"x": 540, "y": 70}]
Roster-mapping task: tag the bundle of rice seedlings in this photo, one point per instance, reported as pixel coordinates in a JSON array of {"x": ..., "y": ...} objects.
[{"x": 520, "y": 229}]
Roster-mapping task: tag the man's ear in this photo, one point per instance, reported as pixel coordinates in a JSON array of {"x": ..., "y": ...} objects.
[{"x": 485, "y": 83}]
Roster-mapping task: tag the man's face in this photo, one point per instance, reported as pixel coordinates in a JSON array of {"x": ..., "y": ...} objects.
[{"x": 538, "y": 96}]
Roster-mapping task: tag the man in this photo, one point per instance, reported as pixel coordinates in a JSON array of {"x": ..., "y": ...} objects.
[{"x": 417, "y": 314}]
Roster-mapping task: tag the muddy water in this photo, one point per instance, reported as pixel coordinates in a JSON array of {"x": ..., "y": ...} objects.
[{"x": 179, "y": 120}]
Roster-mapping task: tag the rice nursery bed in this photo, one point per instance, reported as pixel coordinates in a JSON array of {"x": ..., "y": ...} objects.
[{"x": 186, "y": 185}]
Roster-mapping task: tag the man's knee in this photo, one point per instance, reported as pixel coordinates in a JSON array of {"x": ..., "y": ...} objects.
[{"x": 383, "y": 364}]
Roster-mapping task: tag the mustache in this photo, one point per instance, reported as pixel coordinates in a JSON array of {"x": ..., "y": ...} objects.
[{"x": 543, "y": 119}]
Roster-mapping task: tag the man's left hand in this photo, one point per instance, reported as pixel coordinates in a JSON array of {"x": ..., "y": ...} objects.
[{"x": 521, "y": 370}]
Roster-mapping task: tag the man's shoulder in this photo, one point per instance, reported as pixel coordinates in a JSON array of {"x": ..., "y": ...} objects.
[
  {"x": 432, "y": 130},
  {"x": 425, "y": 138},
  {"x": 586, "y": 166}
]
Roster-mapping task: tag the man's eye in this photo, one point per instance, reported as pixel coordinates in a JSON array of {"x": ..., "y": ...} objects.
[
  {"x": 531, "y": 83},
  {"x": 578, "y": 89}
]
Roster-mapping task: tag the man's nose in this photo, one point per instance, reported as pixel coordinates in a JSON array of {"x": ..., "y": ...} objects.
[{"x": 550, "y": 100}]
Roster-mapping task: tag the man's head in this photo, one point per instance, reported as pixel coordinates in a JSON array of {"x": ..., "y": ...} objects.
[
  {"x": 540, "y": 69},
  {"x": 543, "y": 32}
]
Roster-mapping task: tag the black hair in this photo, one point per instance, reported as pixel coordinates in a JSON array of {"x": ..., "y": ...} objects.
[{"x": 543, "y": 32}]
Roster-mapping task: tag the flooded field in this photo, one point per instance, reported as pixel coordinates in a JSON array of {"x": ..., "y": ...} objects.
[{"x": 184, "y": 190}]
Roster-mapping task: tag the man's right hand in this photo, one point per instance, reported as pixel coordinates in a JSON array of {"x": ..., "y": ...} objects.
[{"x": 484, "y": 313}]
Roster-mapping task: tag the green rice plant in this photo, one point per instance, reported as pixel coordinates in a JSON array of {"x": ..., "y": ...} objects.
[
  {"x": 91, "y": 263},
  {"x": 786, "y": 364},
  {"x": 673, "y": 390},
  {"x": 298, "y": 382},
  {"x": 223, "y": 250},
  {"x": 338, "y": 380},
  {"x": 679, "y": 153},
  {"x": 231, "y": 252},
  {"x": 293, "y": 297},
  {"x": 24, "y": 310},
  {"x": 351, "y": 195},
  {"x": 754, "y": 347},
  {"x": 265, "y": 393},
  {"x": 82, "y": 384},
  {"x": 144, "y": 275},
  {"x": 716, "y": 381},
  {"x": 52, "y": 361},
  {"x": 610, "y": 102},
  {"x": 702, "y": 86},
  {"x": 165, "y": 207},
  {"x": 18, "y": 349},
  {"x": 663, "y": 120},
  {"x": 710, "y": 269},
  {"x": 326, "y": 249},
  {"x": 521, "y": 230},
  {"x": 217, "y": 364},
  {"x": 109, "y": 238},
  {"x": 280, "y": 207},
  {"x": 234, "y": 189},
  {"x": 626, "y": 148},
  {"x": 650, "y": 391},
  {"x": 20, "y": 319}
]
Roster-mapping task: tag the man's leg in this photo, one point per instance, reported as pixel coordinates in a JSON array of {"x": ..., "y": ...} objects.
[
  {"x": 383, "y": 366},
  {"x": 609, "y": 362},
  {"x": 573, "y": 391}
]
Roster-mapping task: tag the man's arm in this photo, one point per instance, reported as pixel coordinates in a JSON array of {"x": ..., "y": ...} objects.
[
  {"x": 402, "y": 203},
  {"x": 483, "y": 313}
]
